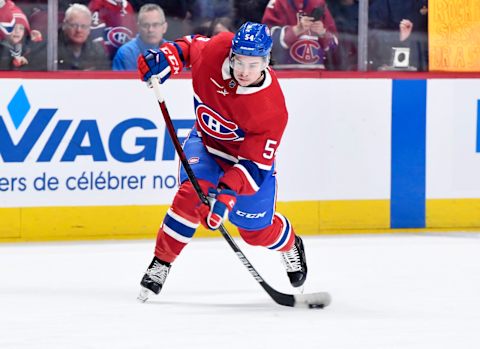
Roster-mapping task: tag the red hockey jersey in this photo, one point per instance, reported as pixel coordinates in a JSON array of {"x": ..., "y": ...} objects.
[
  {"x": 241, "y": 125},
  {"x": 284, "y": 12},
  {"x": 113, "y": 21}
]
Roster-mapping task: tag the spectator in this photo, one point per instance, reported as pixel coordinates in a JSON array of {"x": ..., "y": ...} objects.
[
  {"x": 398, "y": 23},
  {"x": 113, "y": 22},
  {"x": 152, "y": 25},
  {"x": 76, "y": 50},
  {"x": 303, "y": 32},
  {"x": 177, "y": 12},
  {"x": 16, "y": 38},
  {"x": 37, "y": 12}
]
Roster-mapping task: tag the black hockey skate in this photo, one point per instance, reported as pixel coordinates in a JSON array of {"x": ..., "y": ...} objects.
[
  {"x": 295, "y": 263},
  {"x": 154, "y": 278}
]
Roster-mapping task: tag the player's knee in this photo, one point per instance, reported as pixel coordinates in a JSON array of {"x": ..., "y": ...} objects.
[{"x": 186, "y": 200}]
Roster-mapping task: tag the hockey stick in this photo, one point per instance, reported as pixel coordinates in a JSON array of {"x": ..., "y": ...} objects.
[{"x": 312, "y": 300}]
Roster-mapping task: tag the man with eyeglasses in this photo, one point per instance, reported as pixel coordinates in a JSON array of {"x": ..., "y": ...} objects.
[
  {"x": 151, "y": 28},
  {"x": 76, "y": 51}
]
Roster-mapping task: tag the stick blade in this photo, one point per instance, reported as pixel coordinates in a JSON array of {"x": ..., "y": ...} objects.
[{"x": 312, "y": 300}]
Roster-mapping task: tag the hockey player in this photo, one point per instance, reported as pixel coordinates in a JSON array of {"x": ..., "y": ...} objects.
[{"x": 240, "y": 118}]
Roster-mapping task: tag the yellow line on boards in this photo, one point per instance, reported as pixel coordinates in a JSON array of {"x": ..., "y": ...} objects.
[{"x": 307, "y": 218}]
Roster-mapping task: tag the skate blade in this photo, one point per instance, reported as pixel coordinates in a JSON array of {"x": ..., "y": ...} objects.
[{"x": 144, "y": 294}]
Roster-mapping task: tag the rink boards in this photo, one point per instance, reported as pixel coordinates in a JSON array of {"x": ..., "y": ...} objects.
[{"x": 90, "y": 158}]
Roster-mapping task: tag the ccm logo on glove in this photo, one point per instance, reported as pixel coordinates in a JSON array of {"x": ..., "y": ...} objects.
[
  {"x": 161, "y": 63},
  {"x": 172, "y": 60}
]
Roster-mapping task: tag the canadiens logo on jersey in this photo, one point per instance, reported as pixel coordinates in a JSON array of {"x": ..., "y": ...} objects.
[
  {"x": 306, "y": 51},
  {"x": 117, "y": 36},
  {"x": 217, "y": 126}
]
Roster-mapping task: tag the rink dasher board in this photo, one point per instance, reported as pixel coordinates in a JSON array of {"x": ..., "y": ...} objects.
[{"x": 357, "y": 155}]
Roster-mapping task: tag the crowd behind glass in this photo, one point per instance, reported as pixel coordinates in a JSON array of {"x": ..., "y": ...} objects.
[{"x": 310, "y": 34}]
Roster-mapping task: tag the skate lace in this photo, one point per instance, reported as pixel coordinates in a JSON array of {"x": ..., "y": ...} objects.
[
  {"x": 291, "y": 260},
  {"x": 158, "y": 272}
]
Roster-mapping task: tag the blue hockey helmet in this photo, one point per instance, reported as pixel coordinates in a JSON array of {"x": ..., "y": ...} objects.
[{"x": 252, "y": 39}]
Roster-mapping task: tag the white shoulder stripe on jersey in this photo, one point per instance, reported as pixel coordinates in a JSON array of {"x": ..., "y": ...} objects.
[
  {"x": 222, "y": 154},
  {"x": 182, "y": 220},
  {"x": 226, "y": 69},
  {"x": 247, "y": 175},
  {"x": 197, "y": 98},
  {"x": 259, "y": 165}
]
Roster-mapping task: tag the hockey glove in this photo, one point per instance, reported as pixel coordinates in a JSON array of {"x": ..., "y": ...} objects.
[
  {"x": 162, "y": 62},
  {"x": 221, "y": 203}
]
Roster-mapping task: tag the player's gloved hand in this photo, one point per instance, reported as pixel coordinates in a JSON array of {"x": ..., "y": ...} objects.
[
  {"x": 162, "y": 62},
  {"x": 221, "y": 203}
]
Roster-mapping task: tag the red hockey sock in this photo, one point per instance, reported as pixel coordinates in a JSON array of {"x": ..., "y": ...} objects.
[
  {"x": 277, "y": 236},
  {"x": 180, "y": 222}
]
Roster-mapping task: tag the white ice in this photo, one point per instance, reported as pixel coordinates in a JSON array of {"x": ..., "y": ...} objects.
[{"x": 388, "y": 291}]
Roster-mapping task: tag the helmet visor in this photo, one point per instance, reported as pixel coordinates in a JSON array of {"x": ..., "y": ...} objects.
[{"x": 253, "y": 64}]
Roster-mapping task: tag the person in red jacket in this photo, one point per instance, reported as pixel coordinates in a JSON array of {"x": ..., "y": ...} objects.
[
  {"x": 240, "y": 119},
  {"x": 303, "y": 31},
  {"x": 113, "y": 21}
]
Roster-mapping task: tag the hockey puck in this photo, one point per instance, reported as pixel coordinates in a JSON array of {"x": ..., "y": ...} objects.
[{"x": 315, "y": 306}]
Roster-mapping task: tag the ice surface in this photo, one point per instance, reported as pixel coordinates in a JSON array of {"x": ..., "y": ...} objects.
[{"x": 407, "y": 291}]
